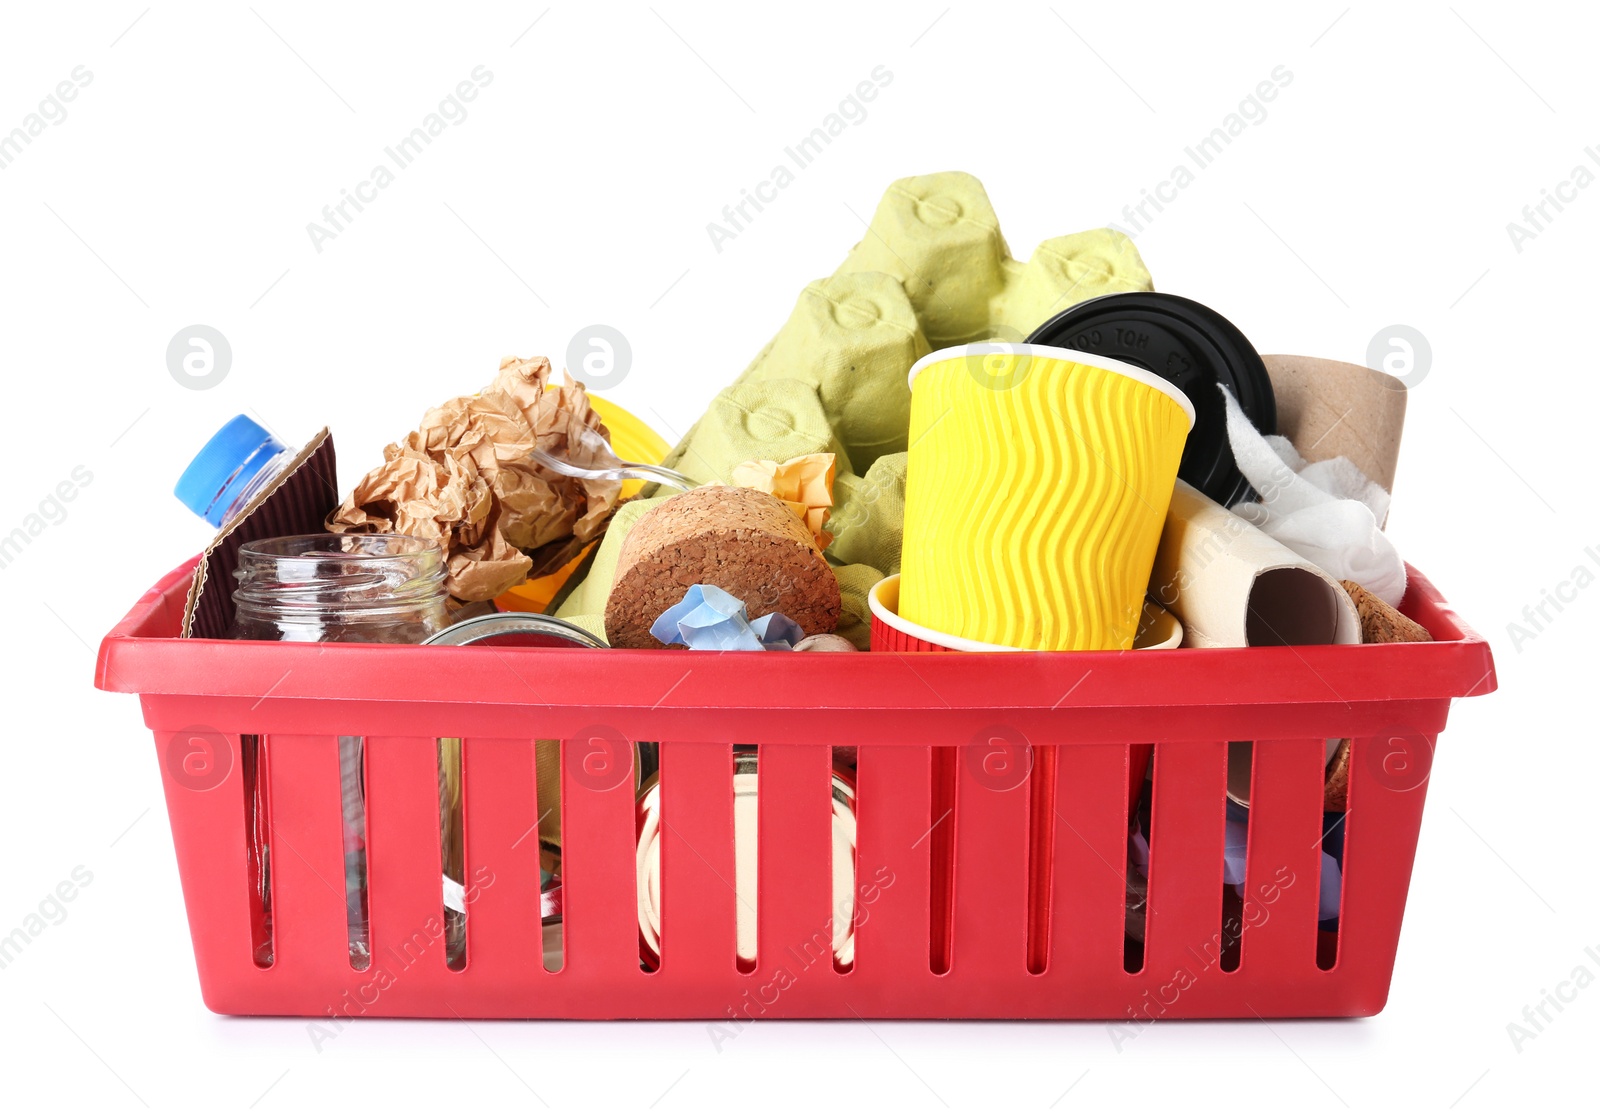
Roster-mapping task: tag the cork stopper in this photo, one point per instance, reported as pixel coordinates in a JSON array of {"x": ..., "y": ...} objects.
[
  {"x": 1336, "y": 785},
  {"x": 1381, "y": 622},
  {"x": 742, "y": 541}
]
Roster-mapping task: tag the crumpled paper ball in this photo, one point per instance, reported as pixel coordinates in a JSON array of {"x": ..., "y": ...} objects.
[
  {"x": 463, "y": 479},
  {"x": 712, "y": 619}
]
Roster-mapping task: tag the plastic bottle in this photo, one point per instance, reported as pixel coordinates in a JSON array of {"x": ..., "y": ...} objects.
[{"x": 238, "y": 462}]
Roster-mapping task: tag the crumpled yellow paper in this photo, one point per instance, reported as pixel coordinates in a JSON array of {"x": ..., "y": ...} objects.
[
  {"x": 463, "y": 480},
  {"x": 805, "y": 483}
]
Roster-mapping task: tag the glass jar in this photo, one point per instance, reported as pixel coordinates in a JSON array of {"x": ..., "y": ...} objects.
[
  {"x": 331, "y": 589},
  {"x": 340, "y": 589}
]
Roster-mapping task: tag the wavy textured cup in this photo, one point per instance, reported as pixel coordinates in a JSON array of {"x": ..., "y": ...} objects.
[
  {"x": 1159, "y": 630},
  {"x": 1036, "y": 489}
]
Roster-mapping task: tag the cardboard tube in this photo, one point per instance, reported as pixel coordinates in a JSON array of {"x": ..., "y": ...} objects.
[{"x": 1233, "y": 586}]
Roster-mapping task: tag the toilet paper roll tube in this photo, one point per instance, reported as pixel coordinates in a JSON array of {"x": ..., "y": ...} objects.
[{"x": 1233, "y": 586}]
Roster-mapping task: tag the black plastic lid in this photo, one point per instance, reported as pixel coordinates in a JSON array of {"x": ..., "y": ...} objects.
[{"x": 1191, "y": 346}]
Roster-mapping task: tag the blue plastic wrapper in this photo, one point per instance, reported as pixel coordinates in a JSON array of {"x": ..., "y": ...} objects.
[{"x": 712, "y": 619}]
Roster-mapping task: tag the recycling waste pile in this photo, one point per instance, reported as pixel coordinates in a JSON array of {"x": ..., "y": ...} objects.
[{"x": 1064, "y": 670}]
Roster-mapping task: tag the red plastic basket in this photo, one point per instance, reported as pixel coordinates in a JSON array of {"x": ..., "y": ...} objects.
[{"x": 1028, "y": 934}]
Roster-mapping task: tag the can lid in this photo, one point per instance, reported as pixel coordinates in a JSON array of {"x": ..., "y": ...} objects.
[
  {"x": 514, "y": 629},
  {"x": 224, "y": 467},
  {"x": 1191, "y": 346}
]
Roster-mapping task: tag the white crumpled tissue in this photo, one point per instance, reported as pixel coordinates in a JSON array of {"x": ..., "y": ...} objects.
[{"x": 1328, "y": 512}]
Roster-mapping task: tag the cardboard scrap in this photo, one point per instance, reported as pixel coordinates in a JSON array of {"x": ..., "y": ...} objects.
[
  {"x": 1327, "y": 409},
  {"x": 295, "y": 503}
]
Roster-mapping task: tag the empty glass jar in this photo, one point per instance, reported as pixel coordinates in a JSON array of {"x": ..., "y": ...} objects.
[
  {"x": 331, "y": 589},
  {"x": 340, "y": 589}
]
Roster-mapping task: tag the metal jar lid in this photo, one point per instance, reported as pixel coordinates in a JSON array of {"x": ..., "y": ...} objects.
[{"x": 515, "y": 629}]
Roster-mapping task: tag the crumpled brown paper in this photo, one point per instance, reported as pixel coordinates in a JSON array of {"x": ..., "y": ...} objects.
[
  {"x": 805, "y": 483},
  {"x": 463, "y": 479}
]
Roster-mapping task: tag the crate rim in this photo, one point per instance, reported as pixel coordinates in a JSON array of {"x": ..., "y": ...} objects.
[{"x": 143, "y": 654}]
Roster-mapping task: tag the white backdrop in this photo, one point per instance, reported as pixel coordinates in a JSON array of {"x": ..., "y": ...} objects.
[{"x": 175, "y": 186}]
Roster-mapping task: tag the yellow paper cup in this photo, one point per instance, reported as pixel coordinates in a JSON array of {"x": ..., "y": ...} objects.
[{"x": 1036, "y": 489}]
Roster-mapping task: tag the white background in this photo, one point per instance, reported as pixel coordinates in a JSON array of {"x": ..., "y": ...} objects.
[{"x": 1376, "y": 192}]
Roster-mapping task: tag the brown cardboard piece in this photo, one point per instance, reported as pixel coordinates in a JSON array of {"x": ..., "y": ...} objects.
[
  {"x": 1328, "y": 408},
  {"x": 296, "y": 503}
]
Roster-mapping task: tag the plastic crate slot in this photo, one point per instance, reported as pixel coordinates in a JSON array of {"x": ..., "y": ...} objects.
[
  {"x": 746, "y": 878},
  {"x": 258, "y": 852},
  {"x": 547, "y": 802},
  {"x": 1041, "y": 848},
  {"x": 941, "y": 840},
  {"x": 650, "y": 959},
  {"x": 1241, "y": 763},
  {"x": 1327, "y": 948},
  {"x": 1136, "y": 888},
  {"x": 647, "y": 759},
  {"x": 1328, "y": 941},
  {"x": 847, "y": 882},
  {"x": 1136, "y": 913},
  {"x": 452, "y": 850},
  {"x": 353, "y": 819}
]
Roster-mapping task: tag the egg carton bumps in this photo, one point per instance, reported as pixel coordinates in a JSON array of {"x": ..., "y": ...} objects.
[
  {"x": 742, "y": 541},
  {"x": 932, "y": 270}
]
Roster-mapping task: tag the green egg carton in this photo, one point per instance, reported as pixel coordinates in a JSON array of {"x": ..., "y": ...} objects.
[{"x": 933, "y": 270}]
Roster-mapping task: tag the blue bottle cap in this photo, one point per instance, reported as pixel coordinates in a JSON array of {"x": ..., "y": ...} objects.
[{"x": 225, "y": 467}]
